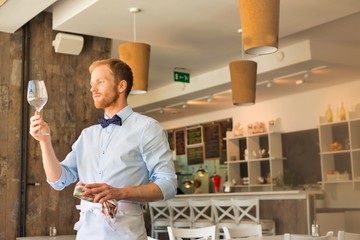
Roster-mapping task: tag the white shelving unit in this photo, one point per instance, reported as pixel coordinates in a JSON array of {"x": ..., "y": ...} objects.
[
  {"x": 340, "y": 166},
  {"x": 268, "y": 166}
]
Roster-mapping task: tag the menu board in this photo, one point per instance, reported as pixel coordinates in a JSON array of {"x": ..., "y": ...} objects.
[
  {"x": 171, "y": 140},
  {"x": 212, "y": 141},
  {"x": 225, "y": 126},
  {"x": 194, "y": 135},
  {"x": 195, "y": 155},
  {"x": 180, "y": 142}
]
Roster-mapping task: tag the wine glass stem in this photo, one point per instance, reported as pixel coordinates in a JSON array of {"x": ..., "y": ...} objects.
[{"x": 41, "y": 132}]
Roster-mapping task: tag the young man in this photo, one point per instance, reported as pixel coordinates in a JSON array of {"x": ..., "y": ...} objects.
[{"x": 125, "y": 163}]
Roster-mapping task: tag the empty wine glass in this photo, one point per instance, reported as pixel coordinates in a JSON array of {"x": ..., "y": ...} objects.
[{"x": 37, "y": 96}]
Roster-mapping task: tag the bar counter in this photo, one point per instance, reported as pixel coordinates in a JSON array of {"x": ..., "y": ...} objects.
[
  {"x": 59, "y": 237},
  {"x": 292, "y": 211}
]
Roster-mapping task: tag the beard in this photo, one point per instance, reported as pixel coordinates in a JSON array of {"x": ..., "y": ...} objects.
[{"x": 107, "y": 100}]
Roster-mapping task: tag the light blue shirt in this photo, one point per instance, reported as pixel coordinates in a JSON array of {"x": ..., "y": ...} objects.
[{"x": 129, "y": 155}]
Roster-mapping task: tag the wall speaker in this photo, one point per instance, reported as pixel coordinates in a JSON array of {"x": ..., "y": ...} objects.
[{"x": 68, "y": 43}]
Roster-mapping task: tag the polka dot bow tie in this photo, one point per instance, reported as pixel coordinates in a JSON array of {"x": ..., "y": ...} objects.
[{"x": 106, "y": 122}]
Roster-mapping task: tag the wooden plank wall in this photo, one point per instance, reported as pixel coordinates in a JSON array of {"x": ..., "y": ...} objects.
[
  {"x": 68, "y": 111},
  {"x": 10, "y": 95},
  {"x": 290, "y": 216}
]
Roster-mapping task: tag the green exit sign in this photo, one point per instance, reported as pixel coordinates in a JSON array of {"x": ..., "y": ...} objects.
[{"x": 181, "y": 77}]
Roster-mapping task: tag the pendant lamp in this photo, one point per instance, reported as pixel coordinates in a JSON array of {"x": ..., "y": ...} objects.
[
  {"x": 243, "y": 82},
  {"x": 260, "y": 25},
  {"x": 137, "y": 56},
  {"x": 187, "y": 183},
  {"x": 201, "y": 171}
]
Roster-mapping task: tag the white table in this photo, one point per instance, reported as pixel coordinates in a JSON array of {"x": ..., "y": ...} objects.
[
  {"x": 273, "y": 237},
  {"x": 59, "y": 237}
]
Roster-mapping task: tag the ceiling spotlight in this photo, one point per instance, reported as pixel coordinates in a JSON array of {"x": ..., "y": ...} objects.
[
  {"x": 306, "y": 75},
  {"x": 269, "y": 84},
  {"x": 161, "y": 111},
  {"x": 209, "y": 99},
  {"x": 299, "y": 82},
  {"x": 184, "y": 105}
]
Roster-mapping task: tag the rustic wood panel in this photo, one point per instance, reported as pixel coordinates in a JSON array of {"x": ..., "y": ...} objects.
[
  {"x": 10, "y": 95},
  {"x": 68, "y": 111},
  {"x": 290, "y": 216}
]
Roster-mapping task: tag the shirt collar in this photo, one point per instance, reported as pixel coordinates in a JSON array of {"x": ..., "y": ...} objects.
[{"x": 123, "y": 114}]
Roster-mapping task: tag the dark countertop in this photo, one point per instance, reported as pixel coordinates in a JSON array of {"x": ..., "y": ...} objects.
[{"x": 334, "y": 210}]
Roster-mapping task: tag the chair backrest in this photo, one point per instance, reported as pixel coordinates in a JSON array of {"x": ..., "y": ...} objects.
[
  {"x": 150, "y": 238},
  {"x": 288, "y": 236},
  {"x": 201, "y": 211},
  {"x": 247, "y": 209},
  {"x": 242, "y": 231},
  {"x": 342, "y": 235},
  {"x": 223, "y": 210},
  {"x": 159, "y": 211},
  {"x": 201, "y": 233},
  {"x": 179, "y": 210}
]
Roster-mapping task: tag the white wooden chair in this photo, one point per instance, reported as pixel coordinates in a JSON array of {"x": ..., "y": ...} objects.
[
  {"x": 160, "y": 217},
  {"x": 205, "y": 233},
  {"x": 247, "y": 210},
  {"x": 150, "y": 238},
  {"x": 242, "y": 231},
  {"x": 201, "y": 213},
  {"x": 224, "y": 214},
  {"x": 179, "y": 213},
  {"x": 288, "y": 236},
  {"x": 342, "y": 235},
  {"x": 268, "y": 227}
]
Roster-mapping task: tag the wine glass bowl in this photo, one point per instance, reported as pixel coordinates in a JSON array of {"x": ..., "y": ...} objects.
[{"x": 37, "y": 96}]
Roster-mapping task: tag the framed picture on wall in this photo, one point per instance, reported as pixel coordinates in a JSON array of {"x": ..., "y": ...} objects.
[
  {"x": 194, "y": 136},
  {"x": 180, "y": 142},
  {"x": 171, "y": 140},
  {"x": 195, "y": 155},
  {"x": 225, "y": 125},
  {"x": 212, "y": 141}
]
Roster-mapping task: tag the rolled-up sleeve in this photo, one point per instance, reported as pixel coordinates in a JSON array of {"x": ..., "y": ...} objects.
[
  {"x": 158, "y": 157},
  {"x": 166, "y": 183},
  {"x": 65, "y": 179}
]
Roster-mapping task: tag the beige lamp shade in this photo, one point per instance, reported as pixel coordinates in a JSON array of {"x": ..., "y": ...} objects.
[
  {"x": 243, "y": 82},
  {"x": 137, "y": 56},
  {"x": 260, "y": 25}
]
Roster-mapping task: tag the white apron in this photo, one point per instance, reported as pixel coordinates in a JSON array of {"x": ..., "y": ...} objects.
[{"x": 94, "y": 225}]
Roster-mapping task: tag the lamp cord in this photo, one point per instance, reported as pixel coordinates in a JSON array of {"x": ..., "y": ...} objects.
[
  {"x": 134, "y": 27},
  {"x": 242, "y": 47}
]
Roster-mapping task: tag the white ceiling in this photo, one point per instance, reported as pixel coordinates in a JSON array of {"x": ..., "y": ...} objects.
[{"x": 201, "y": 36}]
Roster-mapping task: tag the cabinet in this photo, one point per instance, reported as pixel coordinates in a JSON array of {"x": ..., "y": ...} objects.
[
  {"x": 253, "y": 158},
  {"x": 340, "y": 150}
]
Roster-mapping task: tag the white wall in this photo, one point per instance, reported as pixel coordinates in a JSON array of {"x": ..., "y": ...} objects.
[{"x": 297, "y": 112}]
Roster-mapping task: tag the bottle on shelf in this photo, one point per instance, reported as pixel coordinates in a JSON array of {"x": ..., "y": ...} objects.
[
  {"x": 329, "y": 114},
  {"x": 342, "y": 112},
  {"x": 315, "y": 229}
]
